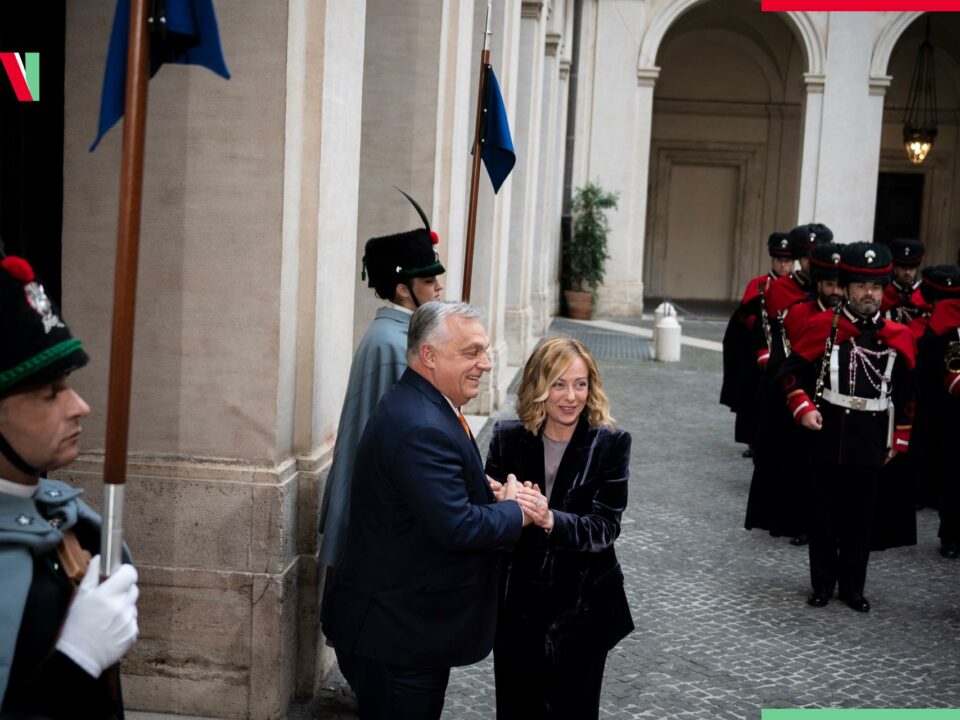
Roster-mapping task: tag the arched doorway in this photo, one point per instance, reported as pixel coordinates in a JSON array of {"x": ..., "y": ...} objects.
[
  {"x": 725, "y": 148},
  {"x": 919, "y": 200}
]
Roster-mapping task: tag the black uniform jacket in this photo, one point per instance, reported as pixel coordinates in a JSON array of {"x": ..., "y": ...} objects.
[
  {"x": 569, "y": 582},
  {"x": 417, "y": 584},
  {"x": 852, "y": 437}
]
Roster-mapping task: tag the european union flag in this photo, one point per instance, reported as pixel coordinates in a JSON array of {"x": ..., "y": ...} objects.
[
  {"x": 182, "y": 31},
  {"x": 496, "y": 149}
]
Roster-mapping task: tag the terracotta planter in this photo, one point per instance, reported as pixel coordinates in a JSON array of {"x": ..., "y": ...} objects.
[{"x": 579, "y": 304}]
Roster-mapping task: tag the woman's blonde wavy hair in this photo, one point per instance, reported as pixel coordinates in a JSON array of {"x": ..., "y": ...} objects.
[{"x": 548, "y": 362}]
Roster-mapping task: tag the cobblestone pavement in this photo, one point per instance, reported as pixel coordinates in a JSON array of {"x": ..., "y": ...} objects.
[{"x": 723, "y": 629}]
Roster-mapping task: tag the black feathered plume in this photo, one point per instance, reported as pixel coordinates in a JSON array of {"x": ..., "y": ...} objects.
[{"x": 423, "y": 215}]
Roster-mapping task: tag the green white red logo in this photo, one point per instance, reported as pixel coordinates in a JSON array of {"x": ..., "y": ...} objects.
[{"x": 23, "y": 73}]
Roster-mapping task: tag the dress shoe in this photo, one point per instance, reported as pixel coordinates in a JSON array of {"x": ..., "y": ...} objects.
[
  {"x": 818, "y": 599},
  {"x": 858, "y": 603},
  {"x": 950, "y": 550},
  {"x": 801, "y": 539}
]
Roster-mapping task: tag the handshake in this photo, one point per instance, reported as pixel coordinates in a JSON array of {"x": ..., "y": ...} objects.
[{"x": 528, "y": 497}]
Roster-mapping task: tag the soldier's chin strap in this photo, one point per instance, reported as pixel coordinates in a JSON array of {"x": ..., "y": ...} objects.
[
  {"x": 413, "y": 295},
  {"x": 18, "y": 462}
]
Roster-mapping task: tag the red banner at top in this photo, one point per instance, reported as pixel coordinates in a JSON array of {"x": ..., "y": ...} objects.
[{"x": 861, "y": 5}]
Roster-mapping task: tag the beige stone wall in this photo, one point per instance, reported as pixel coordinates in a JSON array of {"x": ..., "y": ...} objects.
[{"x": 250, "y": 189}]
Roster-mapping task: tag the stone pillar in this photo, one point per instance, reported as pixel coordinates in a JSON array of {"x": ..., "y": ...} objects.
[
  {"x": 810, "y": 157},
  {"x": 849, "y": 159},
  {"x": 240, "y": 219},
  {"x": 550, "y": 196},
  {"x": 526, "y": 202},
  {"x": 616, "y": 101},
  {"x": 488, "y": 291}
]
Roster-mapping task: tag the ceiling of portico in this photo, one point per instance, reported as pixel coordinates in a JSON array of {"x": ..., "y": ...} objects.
[{"x": 728, "y": 51}]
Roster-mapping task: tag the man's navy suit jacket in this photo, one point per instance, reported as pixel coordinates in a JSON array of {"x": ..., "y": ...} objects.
[{"x": 417, "y": 585}]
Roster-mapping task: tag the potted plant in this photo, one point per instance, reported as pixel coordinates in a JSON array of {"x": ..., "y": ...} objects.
[{"x": 585, "y": 249}]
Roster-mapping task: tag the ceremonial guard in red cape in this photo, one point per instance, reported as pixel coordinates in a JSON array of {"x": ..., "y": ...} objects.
[
  {"x": 60, "y": 629},
  {"x": 938, "y": 367},
  {"x": 403, "y": 270},
  {"x": 748, "y": 326},
  {"x": 902, "y": 300},
  {"x": 797, "y": 285},
  {"x": 772, "y": 503},
  {"x": 849, "y": 382}
]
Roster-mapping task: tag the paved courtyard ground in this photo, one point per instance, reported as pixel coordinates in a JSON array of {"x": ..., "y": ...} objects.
[{"x": 723, "y": 629}]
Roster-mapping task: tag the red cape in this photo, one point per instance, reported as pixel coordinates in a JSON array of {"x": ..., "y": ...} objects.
[
  {"x": 812, "y": 344},
  {"x": 782, "y": 293},
  {"x": 753, "y": 288},
  {"x": 945, "y": 317},
  {"x": 799, "y": 317},
  {"x": 918, "y": 326}
]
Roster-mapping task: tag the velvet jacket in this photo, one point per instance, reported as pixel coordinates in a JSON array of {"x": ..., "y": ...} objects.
[{"x": 569, "y": 582}]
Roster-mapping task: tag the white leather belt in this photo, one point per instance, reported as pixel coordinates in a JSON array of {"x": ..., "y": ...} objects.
[{"x": 852, "y": 402}]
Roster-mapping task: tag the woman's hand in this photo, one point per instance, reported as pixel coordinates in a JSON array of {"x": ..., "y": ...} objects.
[
  {"x": 506, "y": 490},
  {"x": 534, "y": 505}
]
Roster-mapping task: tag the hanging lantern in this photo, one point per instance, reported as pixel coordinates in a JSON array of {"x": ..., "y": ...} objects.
[{"x": 920, "y": 117}]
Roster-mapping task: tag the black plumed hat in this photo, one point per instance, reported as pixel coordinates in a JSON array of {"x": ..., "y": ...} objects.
[
  {"x": 907, "y": 252},
  {"x": 865, "y": 262},
  {"x": 36, "y": 344},
  {"x": 940, "y": 282},
  {"x": 778, "y": 245},
  {"x": 825, "y": 262},
  {"x": 390, "y": 259}
]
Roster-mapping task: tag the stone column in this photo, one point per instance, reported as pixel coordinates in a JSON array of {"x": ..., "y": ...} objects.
[
  {"x": 810, "y": 157},
  {"x": 526, "y": 203},
  {"x": 489, "y": 283},
  {"x": 549, "y": 202},
  {"x": 224, "y": 464},
  {"x": 613, "y": 141},
  {"x": 849, "y": 159}
]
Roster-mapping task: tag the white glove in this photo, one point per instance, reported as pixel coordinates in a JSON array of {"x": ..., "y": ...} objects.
[{"x": 101, "y": 623}]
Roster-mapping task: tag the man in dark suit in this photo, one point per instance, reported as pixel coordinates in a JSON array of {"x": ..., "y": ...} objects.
[{"x": 416, "y": 590}]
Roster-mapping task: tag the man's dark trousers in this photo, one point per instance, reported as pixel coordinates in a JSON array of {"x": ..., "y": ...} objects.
[{"x": 844, "y": 499}]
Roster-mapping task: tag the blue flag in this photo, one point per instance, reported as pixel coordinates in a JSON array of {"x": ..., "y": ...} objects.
[
  {"x": 188, "y": 36},
  {"x": 496, "y": 149}
]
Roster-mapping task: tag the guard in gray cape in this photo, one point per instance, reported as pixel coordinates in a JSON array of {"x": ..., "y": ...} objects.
[
  {"x": 402, "y": 269},
  {"x": 60, "y": 628}
]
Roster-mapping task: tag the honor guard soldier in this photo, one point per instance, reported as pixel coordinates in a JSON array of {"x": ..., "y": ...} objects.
[
  {"x": 749, "y": 325},
  {"x": 938, "y": 367},
  {"x": 825, "y": 275},
  {"x": 60, "y": 629},
  {"x": 797, "y": 285},
  {"x": 774, "y": 501},
  {"x": 849, "y": 381},
  {"x": 402, "y": 269},
  {"x": 902, "y": 300}
]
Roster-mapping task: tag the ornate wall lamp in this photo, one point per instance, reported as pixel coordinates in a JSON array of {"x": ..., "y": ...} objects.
[{"x": 920, "y": 117}]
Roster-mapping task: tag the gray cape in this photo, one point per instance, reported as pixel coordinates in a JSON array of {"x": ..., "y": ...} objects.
[
  {"x": 24, "y": 534},
  {"x": 379, "y": 362}
]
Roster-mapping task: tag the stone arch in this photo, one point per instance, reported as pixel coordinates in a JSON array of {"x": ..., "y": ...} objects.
[
  {"x": 809, "y": 35},
  {"x": 883, "y": 48}
]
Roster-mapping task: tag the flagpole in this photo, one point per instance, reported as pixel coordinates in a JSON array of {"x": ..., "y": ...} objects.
[
  {"x": 475, "y": 171},
  {"x": 125, "y": 289}
]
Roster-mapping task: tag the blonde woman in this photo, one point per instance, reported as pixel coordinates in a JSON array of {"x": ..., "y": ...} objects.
[{"x": 563, "y": 604}]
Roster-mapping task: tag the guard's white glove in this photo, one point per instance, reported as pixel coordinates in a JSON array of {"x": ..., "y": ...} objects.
[{"x": 101, "y": 623}]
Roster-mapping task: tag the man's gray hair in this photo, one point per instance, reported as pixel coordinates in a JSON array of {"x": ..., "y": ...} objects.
[{"x": 429, "y": 323}]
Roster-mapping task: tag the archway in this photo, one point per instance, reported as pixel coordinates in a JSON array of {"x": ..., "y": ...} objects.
[
  {"x": 917, "y": 200},
  {"x": 727, "y": 128}
]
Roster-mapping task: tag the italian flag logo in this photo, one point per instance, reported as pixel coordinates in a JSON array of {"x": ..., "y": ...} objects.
[{"x": 24, "y": 74}]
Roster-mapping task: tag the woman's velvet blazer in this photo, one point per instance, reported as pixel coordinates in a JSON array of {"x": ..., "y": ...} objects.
[{"x": 568, "y": 582}]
